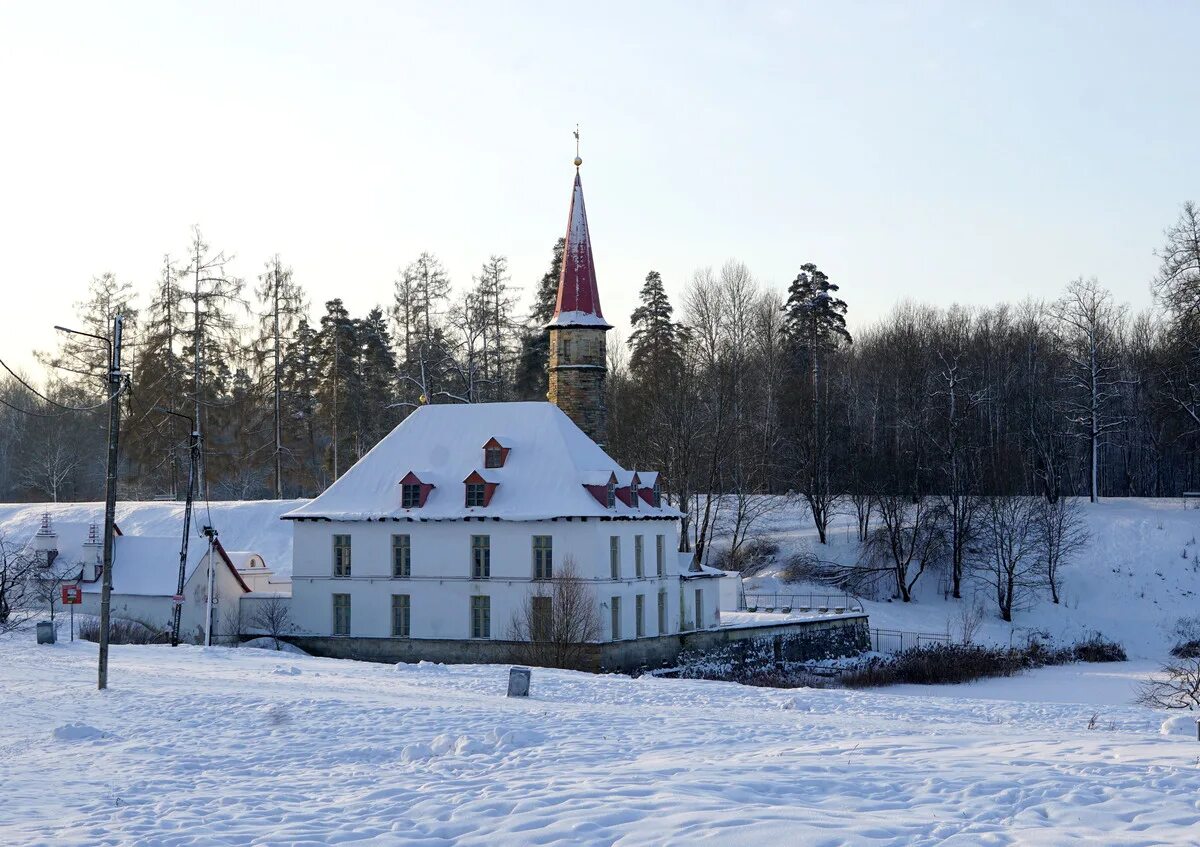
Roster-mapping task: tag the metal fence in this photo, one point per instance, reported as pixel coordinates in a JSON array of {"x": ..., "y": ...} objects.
[
  {"x": 895, "y": 640},
  {"x": 786, "y": 603}
]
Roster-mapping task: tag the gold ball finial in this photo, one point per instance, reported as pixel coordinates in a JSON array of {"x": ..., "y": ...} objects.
[{"x": 578, "y": 161}]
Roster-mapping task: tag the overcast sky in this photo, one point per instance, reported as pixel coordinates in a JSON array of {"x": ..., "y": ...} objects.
[{"x": 945, "y": 152}]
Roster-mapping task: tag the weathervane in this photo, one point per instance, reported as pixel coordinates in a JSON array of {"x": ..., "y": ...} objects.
[{"x": 578, "y": 161}]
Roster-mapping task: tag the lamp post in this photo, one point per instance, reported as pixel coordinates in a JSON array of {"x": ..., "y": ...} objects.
[{"x": 110, "y": 497}]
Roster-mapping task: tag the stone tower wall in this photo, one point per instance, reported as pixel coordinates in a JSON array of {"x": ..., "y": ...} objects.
[{"x": 578, "y": 365}]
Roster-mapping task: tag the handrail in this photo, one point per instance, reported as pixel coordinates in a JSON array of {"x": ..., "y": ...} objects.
[{"x": 802, "y": 602}]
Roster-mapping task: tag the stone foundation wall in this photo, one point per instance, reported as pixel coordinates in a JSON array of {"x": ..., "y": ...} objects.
[{"x": 793, "y": 641}]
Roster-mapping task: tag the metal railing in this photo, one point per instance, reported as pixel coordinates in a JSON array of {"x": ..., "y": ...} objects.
[
  {"x": 787, "y": 603},
  {"x": 896, "y": 641}
]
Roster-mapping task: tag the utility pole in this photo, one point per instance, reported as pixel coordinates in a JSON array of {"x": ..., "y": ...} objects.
[
  {"x": 110, "y": 498},
  {"x": 275, "y": 380},
  {"x": 211, "y": 534},
  {"x": 193, "y": 455}
]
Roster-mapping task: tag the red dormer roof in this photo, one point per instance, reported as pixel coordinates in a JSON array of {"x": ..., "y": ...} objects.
[
  {"x": 411, "y": 478},
  {"x": 578, "y": 302},
  {"x": 494, "y": 444},
  {"x": 489, "y": 488}
]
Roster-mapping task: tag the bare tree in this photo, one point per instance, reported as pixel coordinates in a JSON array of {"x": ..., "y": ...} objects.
[
  {"x": 1008, "y": 561},
  {"x": 1061, "y": 532},
  {"x": 1180, "y": 689},
  {"x": 15, "y": 568},
  {"x": 1088, "y": 322},
  {"x": 557, "y": 621},
  {"x": 907, "y": 542},
  {"x": 274, "y": 617}
]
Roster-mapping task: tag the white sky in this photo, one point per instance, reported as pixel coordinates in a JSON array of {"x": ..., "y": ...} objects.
[{"x": 956, "y": 151}]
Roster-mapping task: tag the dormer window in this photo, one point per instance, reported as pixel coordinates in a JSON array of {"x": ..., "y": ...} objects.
[
  {"x": 413, "y": 492},
  {"x": 494, "y": 454},
  {"x": 479, "y": 491},
  {"x": 611, "y": 494},
  {"x": 656, "y": 495}
]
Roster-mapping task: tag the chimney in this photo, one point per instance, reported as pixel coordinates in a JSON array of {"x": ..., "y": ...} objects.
[
  {"x": 93, "y": 554},
  {"x": 45, "y": 542}
]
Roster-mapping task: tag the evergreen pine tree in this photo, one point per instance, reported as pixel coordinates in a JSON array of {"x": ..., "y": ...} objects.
[{"x": 655, "y": 343}]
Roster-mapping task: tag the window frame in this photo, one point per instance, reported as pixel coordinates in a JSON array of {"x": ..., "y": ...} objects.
[
  {"x": 615, "y": 614},
  {"x": 342, "y": 563},
  {"x": 662, "y": 611},
  {"x": 614, "y": 557},
  {"x": 610, "y": 497},
  {"x": 407, "y": 501},
  {"x": 481, "y": 616},
  {"x": 542, "y": 550},
  {"x": 639, "y": 616},
  {"x": 402, "y": 603},
  {"x": 639, "y": 556},
  {"x": 541, "y": 617},
  {"x": 493, "y": 457},
  {"x": 699, "y": 608},
  {"x": 660, "y": 554},
  {"x": 481, "y": 557},
  {"x": 345, "y": 606},
  {"x": 476, "y": 491},
  {"x": 401, "y": 570}
]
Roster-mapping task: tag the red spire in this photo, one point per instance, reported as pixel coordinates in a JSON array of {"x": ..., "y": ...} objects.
[{"x": 578, "y": 301}]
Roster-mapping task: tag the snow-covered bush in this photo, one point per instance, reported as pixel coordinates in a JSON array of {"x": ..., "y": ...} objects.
[{"x": 125, "y": 631}]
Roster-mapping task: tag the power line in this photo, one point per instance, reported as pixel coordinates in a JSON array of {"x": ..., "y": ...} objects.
[{"x": 41, "y": 396}]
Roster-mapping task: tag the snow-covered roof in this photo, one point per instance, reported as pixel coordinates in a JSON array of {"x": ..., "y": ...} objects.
[
  {"x": 247, "y": 560},
  {"x": 550, "y": 462},
  {"x": 148, "y": 566}
]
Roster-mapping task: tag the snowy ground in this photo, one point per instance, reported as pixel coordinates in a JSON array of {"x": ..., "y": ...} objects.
[
  {"x": 1136, "y": 578},
  {"x": 197, "y": 746}
]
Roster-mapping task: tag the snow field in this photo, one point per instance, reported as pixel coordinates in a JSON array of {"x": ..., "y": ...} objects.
[{"x": 197, "y": 746}]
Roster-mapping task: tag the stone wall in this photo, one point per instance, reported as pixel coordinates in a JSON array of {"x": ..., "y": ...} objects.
[
  {"x": 792, "y": 641},
  {"x": 577, "y": 370}
]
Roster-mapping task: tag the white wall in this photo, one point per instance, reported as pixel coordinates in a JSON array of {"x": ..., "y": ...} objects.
[{"x": 440, "y": 584}]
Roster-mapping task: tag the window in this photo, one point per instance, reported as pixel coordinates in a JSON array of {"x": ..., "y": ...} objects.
[
  {"x": 341, "y": 555},
  {"x": 611, "y": 495},
  {"x": 410, "y": 496},
  {"x": 616, "y": 618},
  {"x": 341, "y": 614},
  {"x": 481, "y": 556},
  {"x": 539, "y": 626},
  {"x": 401, "y": 556},
  {"x": 656, "y": 496},
  {"x": 639, "y": 569},
  {"x": 614, "y": 556},
  {"x": 481, "y": 617},
  {"x": 662, "y": 612},
  {"x": 660, "y": 554},
  {"x": 476, "y": 492},
  {"x": 543, "y": 557},
  {"x": 699, "y": 608},
  {"x": 493, "y": 457},
  {"x": 639, "y": 608},
  {"x": 401, "y": 615}
]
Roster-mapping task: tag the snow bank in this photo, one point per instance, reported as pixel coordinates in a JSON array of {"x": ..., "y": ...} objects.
[
  {"x": 1185, "y": 724},
  {"x": 78, "y": 732}
]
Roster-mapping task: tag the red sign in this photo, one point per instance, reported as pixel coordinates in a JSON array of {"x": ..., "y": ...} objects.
[
  {"x": 177, "y": 599},
  {"x": 72, "y": 595}
]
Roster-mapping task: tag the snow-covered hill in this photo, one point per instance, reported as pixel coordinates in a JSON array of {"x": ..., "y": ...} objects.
[
  {"x": 1138, "y": 576},
  {"x": 251, "y": 525},
  {"x": 195, "y": 746}
]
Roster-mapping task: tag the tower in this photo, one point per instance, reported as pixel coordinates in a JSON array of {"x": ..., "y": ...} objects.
[{"x": 578, "y": 362}]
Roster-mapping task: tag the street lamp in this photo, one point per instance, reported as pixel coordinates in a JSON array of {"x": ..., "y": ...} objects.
[{"x": 110, "y": 495}]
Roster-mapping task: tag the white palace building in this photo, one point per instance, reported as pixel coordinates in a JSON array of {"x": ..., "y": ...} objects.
[{"x": 432, "y": 543}]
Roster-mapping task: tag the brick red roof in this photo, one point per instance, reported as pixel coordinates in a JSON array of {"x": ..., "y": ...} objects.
[{"x": 578, "y": 301}]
